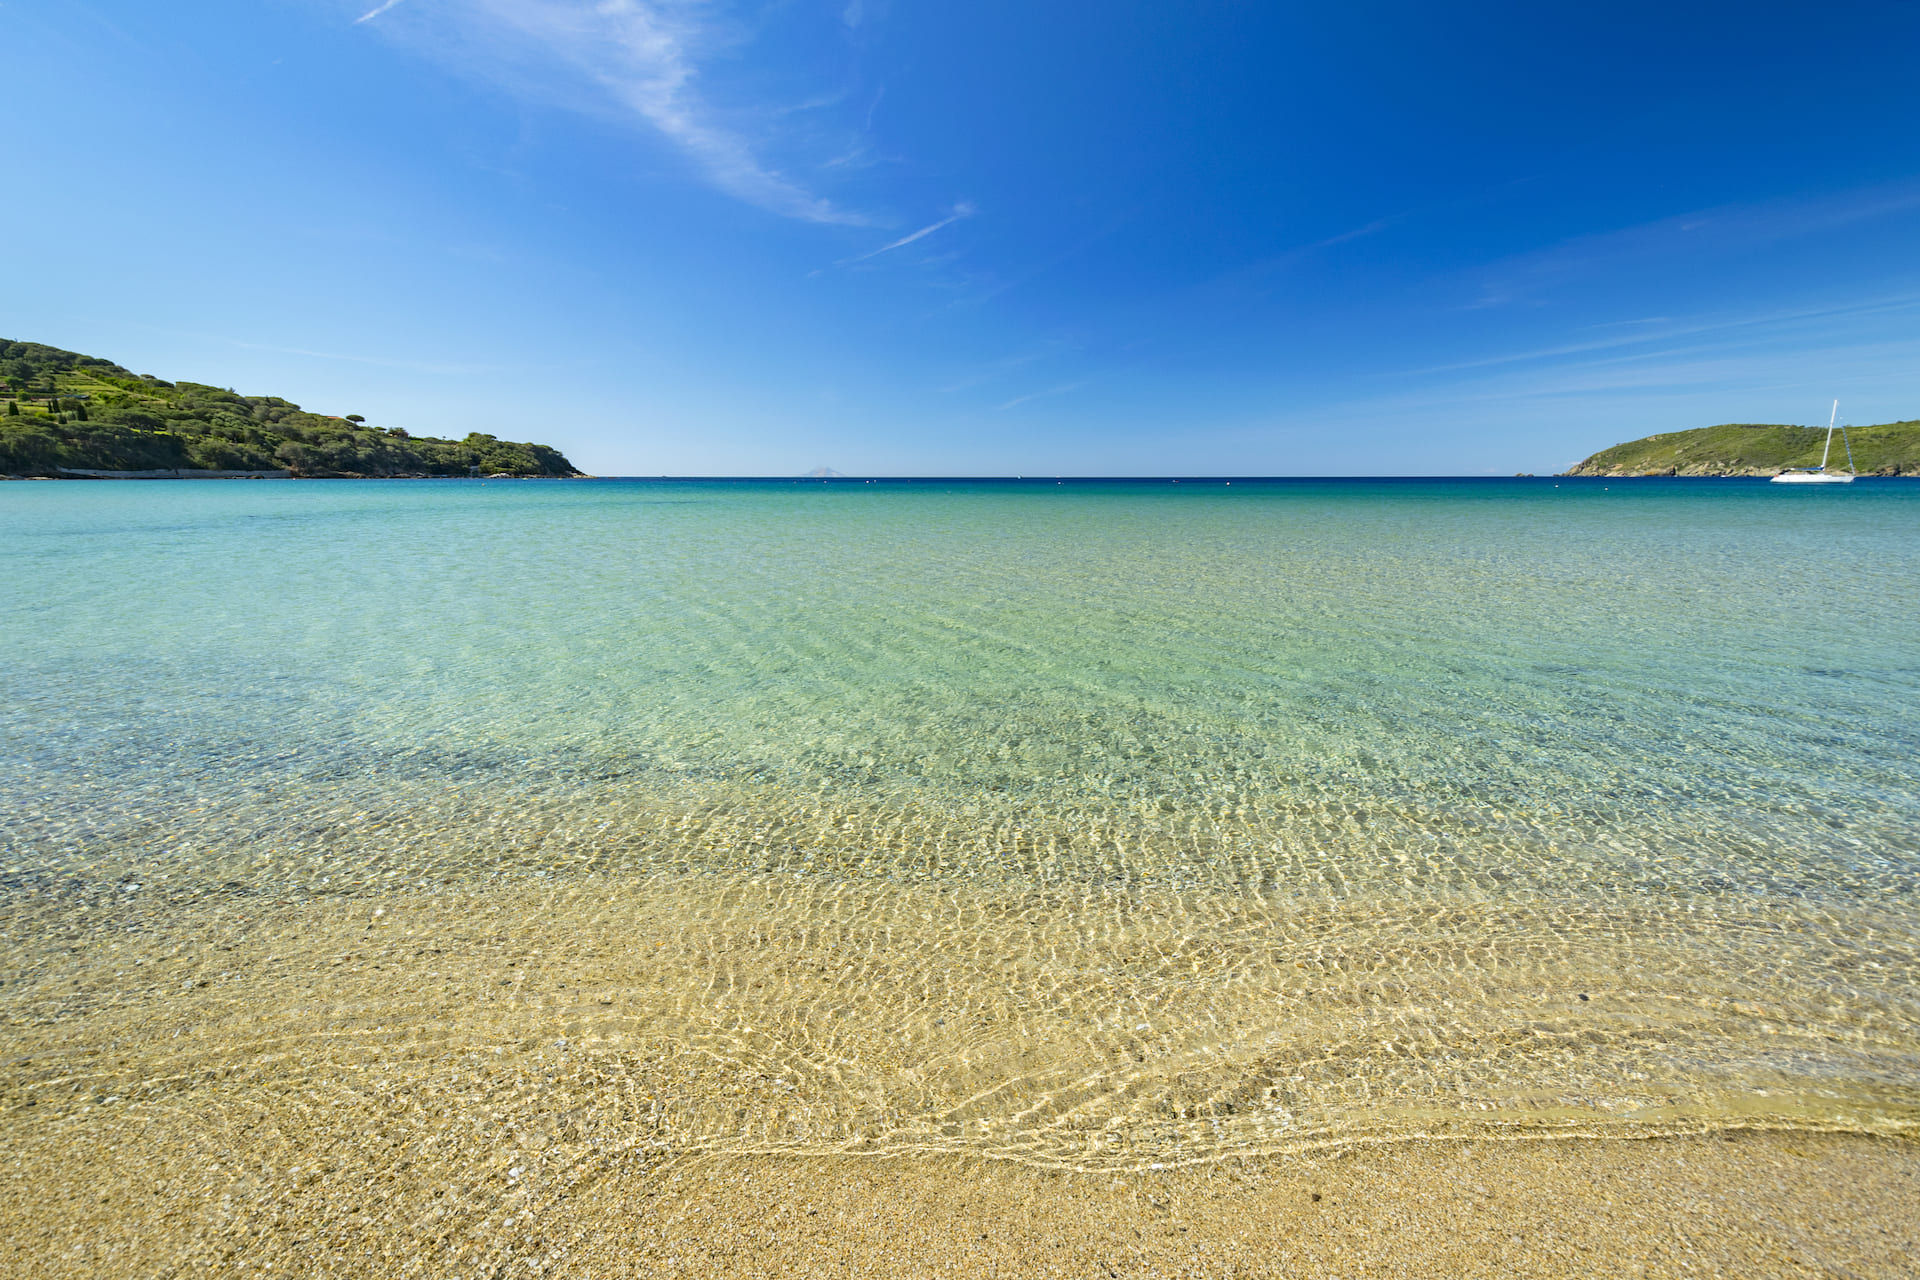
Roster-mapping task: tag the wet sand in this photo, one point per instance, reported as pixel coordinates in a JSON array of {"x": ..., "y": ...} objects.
[
  {"x": 1739, "y": 1204},
  {"x": 717, "y": 1076}
]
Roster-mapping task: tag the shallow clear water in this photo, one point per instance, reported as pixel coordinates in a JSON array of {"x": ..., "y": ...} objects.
[{"x": 1074, "y": 823}]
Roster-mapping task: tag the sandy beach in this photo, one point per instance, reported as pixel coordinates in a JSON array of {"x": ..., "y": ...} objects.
[
  {"x": 711, "y": 1076},
  {"x": 1735, "y": 1204}
]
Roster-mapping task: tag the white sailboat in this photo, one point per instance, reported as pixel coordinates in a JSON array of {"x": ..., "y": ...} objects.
[{"x": 1820, "y": 474}]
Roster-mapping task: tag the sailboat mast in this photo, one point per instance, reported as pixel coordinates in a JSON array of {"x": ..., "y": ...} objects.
[{"x": 1831, "y": 419}]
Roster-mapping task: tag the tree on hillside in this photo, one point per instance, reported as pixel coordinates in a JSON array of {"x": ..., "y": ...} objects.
[{"x": 112, "y": 419}]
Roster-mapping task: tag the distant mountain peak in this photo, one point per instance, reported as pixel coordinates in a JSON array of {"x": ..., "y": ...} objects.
[{"x": 825, "y": 473}]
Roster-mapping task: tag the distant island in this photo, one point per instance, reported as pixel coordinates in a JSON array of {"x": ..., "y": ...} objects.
[
  {"x": 1758, "y": 449},
  {"x": 69, "y": 414}
]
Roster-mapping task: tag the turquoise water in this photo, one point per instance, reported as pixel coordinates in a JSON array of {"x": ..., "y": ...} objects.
[{"x": 1551, "y": 801}]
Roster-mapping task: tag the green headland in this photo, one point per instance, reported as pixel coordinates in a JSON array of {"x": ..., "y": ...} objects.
[
  {"x": 67, "y": 412},
  {"x": 1759, "y": 449}
]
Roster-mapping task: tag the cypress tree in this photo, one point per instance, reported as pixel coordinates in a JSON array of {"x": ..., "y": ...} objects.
[
  {"x": 13, "y": 408},
  {"x": 80, "y": 410}
]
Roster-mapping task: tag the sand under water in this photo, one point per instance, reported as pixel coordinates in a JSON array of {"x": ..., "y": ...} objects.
[
  {"x": 638, "y": 1077},
  {"x": 917, "y": 882}
]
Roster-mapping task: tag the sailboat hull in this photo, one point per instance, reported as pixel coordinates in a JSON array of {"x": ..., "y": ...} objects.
[{"x": 1811, "y": 477}]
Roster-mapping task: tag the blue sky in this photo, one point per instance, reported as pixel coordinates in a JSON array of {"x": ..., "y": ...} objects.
[{"x": 990, "y": 238}]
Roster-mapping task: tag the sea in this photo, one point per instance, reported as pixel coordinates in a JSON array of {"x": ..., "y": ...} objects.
[{"x": 1082, "y": 823}]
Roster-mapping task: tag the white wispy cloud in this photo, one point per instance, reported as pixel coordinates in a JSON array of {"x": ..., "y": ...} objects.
[
  {"x": 1357, "y": 233},
  {"x": 1671, "y": 331},
  {"x": 1782, "y": 365},
  {"x": 375, "y": 12},
  {"x": 1050, "y": 391},
  {"x": 961, "y": 210},
  {"x": 1727, "y": 229},
  {"x": 994, "y": 370},
  {"x": 642, "y": 57},
  {"x": 1253, "y": 283}
]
